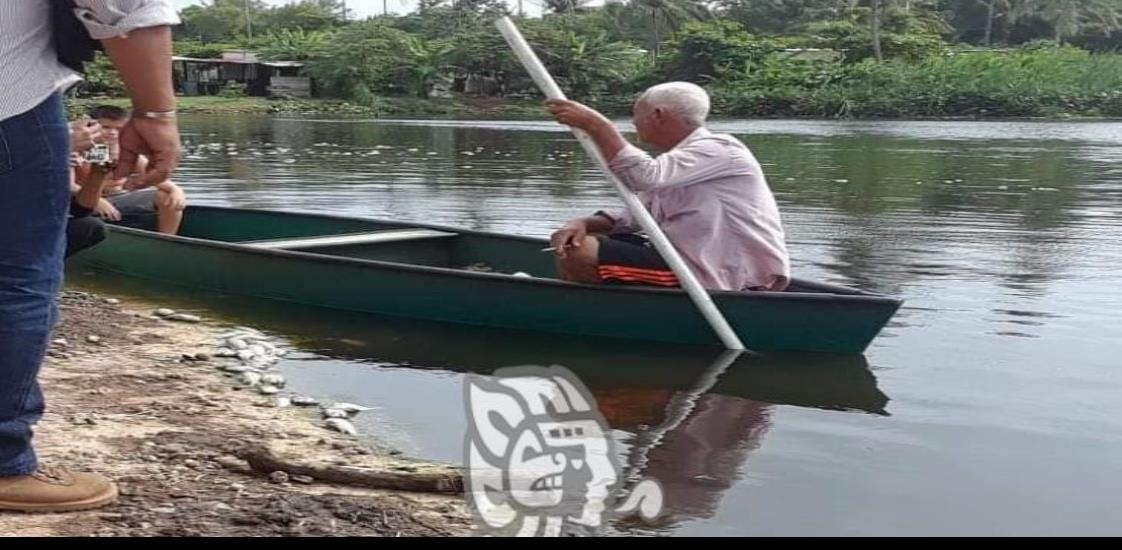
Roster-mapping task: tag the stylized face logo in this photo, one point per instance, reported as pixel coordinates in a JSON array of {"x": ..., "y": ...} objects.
[{"x": 538, "y": 453}]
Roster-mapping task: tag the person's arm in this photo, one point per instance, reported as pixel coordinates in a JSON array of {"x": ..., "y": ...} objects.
[
  {"x": 144, "y": 63},
  {"x": 634, "y": 167},
  {"x": 683, "y": 165},
  {"x": 136, "y": 35},
  {"x": 83, "y": 135},
  {"x": 603, "y": 133},
  {"x": 89, "y": 192}
]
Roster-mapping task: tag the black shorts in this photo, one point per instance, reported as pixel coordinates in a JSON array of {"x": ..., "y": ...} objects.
[
  {"x": 83, "y": 233},
  {"x": 630, "y": 259},
  {"x": 135, "y": 203}
]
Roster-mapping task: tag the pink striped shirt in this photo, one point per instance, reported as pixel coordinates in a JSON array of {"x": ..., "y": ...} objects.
[{"x": 709, "y": 195}]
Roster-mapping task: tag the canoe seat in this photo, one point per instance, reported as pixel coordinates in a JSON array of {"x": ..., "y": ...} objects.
[{"x": 373, "y": 237}]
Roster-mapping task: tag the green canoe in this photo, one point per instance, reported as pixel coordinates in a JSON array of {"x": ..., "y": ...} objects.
[{"x": 433, "y": 272}]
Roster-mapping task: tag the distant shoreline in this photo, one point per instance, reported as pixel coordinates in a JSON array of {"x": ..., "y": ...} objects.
[{"x": 471, "y": 107}]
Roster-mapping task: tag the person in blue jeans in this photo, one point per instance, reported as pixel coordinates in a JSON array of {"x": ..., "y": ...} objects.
[{"x": 36, "y": 65}]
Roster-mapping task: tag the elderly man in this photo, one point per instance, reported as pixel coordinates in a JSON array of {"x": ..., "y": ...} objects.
[
  {"x": 706, "y": 191},
  {"x": 34, "y": 196}
]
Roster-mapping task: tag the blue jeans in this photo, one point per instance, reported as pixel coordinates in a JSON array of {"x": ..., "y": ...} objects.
[{"x": 34, "y": 197}]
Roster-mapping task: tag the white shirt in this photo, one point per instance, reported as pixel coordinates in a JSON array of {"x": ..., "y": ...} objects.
[{"x": 29, "y": 68}]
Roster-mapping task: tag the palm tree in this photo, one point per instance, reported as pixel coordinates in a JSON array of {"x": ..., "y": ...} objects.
[
  {"x": 1069, "y": 18},
  {"x": 874, "y": 22},
  {"x": 669, "y": 14},
  {"x": 426, "y": 61},
  {"x": 879, "y": 9},
  {"x": 564, "y": 6},
  {"x": 609, "y": 62},
  {"x": 292, "y": 44},
  {"x": 992, "y": 8},
  {"x": 587, "y": 61}
]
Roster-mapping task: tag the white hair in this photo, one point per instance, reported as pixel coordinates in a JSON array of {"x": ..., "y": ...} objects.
[{"x": 686, "y": 100}]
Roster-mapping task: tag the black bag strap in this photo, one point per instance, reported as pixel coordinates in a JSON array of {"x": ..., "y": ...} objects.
[{"x": 72, "y": 41}]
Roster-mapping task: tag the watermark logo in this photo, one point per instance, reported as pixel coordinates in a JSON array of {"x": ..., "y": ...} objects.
[{"x": 540, "y": 457}]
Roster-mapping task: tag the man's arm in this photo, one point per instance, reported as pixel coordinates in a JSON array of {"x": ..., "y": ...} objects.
[
  {"x": 144, "y": 63},
  {"x": 680, "y": 166},
  {"x": 137, "y": 38},
  {"x": 635, "y": 168},
  {"x": 603, "y": 133},
  {"x": 89, "y": 191}
]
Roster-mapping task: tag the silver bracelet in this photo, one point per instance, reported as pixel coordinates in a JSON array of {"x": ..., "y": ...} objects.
[{"x": 154, "y": 114}]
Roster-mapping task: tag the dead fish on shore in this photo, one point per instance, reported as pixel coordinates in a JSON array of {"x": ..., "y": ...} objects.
[
  {"x": 349, "y": 408},
  {"x": 184, "y": 318},
  {"x": 341, "y": 426},
  {"x": 251, "y": 378},
  {"x": 335, "y": 413}
]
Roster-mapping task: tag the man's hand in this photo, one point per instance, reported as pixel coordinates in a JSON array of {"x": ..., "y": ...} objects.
[
  {"x": 83, "y": 135},
  {"x": 175, "y": 200},
  {"x": 133, "y": 182},
  {"x": 157, "y": 139},
  {"x": 597, "y": 126},
  {"x": 571, "y": 113},
  {"x": 107, "y": 211},
  {"x": 571, "y": 235}
]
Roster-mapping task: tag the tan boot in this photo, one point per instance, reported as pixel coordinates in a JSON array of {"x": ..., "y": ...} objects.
[{"x": 55, "y": 490}]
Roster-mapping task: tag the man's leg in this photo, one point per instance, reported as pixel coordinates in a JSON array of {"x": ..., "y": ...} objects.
[
  {"x": 168, "y": 219},
  {"x": 581, "y": 262},
  {"x": 629, "y": 259},
  {"x": 84, "y": 233},
  {"x": 34, "y": 197}
]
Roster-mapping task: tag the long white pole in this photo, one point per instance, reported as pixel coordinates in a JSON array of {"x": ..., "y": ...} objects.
[
  {"x": 689, "y": 282},
  {"x": 679, "y": 409}
]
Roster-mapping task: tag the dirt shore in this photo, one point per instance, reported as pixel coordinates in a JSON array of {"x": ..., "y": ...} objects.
[{"x": 146, "y": 401}]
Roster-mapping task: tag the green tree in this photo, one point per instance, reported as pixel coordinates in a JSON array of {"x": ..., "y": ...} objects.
[
  {"x": 309, "y": 15},
  {"x": 704, "y": 51},
  {"x": 994, "y": 8},
  {"x": 292, "y": 44},
  {"x": 101, "y": 79},
  {"x": 476, "y": 52},
  {"x": 565, "y": 6},
  {"x": 779, "y": 16},
  {"x": 201, "y": 50},
  {"x": 665, "y": 16},
  {"x": 591, "y": 64},
  {"x": 1069, "y": 18},
  {"x": 425, "y": 62},
  {"x": 364, "y": 60},
  {"x": 359, "y": 62},
  {"x": 209, "y": 23},
  {"x": 220, "y": 20}
]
